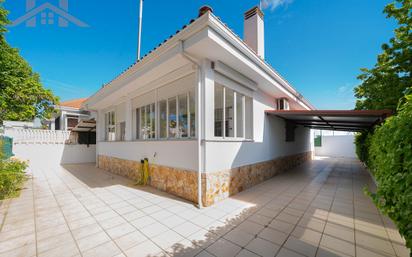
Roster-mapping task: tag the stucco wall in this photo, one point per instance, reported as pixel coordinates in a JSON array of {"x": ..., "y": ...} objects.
[
  {"x": 172, "y": 153},
  {"x": 337, "y": 146},
  {"x": 268, "y": 141},
  {"x": 55, "y": 153}
]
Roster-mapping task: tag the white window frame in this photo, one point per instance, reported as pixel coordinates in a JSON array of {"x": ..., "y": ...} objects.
[
  {"x": 235, "y": 121},
  {"x": 108, "y": 126},
  {"x": 178, "y": 136}
]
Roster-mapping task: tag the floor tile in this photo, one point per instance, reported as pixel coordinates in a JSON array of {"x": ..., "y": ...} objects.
[
  {"x": 263, "y": 247},
  {"x": 223, "y": 248}
]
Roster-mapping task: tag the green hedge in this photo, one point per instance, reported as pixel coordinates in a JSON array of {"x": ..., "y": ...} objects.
[
  {"x": 12, "y": 176},
  {"x": 390, "y": 160},
  {"x": 362, "y": 142}
]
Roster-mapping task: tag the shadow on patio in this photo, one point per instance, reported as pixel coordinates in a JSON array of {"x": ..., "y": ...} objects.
[{"x": 317, "y": 209}]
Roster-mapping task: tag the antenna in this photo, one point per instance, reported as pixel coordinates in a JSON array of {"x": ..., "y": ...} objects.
[{"x": 139, "y": 38}]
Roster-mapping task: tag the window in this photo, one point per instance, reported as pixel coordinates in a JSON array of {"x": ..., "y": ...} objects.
[
  {"x": 192, "y": 113},
  {"x": 218, "y": 110},
  {"x": 122, "y": 130},
  {"x": 183, "y": 116},
  {"x": 229, "y": 113},
  {"x": 146, "y": 122},
  {"x": 168, "y": 117},
  {"x": 233, "y": 114},
  {"x": 239, "y": 114},
  {"x": 110, "y": 126},
  {"x": 163, "y": 119},
  {"x": 172, "y": 117}
]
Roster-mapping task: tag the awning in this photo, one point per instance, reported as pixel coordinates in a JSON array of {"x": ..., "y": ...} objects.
[
  {"x": 85, "y": 126},
  {"x": 345, "y": 120}
]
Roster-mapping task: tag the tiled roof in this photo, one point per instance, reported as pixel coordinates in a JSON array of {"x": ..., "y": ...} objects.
[{"x": 74, "y": 103}]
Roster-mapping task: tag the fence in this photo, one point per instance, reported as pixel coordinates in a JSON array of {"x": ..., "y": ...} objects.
[
  {"x": 49, "y": 146},
  {"x": 38, "y": 136}
]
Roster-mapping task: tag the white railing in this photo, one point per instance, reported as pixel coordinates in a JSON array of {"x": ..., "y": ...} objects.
[{"x": 37, "y": 136}]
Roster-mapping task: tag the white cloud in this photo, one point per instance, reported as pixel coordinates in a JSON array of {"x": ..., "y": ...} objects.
[{"x": 273, "y": 4}]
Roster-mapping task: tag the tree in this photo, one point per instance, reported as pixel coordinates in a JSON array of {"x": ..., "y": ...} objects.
[
  {"x": 22, "y": 96},
  {"x": 385, "y": 84}
]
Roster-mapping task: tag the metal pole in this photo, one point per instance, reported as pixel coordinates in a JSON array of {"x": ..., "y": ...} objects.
[{"x": 139, "y": 39}]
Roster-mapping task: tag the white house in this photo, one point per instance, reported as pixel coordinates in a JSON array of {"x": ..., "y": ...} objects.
[
  {"x": 69, "y": 114},
  {"x": 195, "y": 107}
]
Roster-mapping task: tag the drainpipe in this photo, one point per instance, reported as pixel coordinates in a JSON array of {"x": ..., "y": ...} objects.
[{"x": 199, "y": 120}]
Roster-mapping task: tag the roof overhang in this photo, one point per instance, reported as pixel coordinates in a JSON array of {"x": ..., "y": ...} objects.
[
  {"x": 85, "y": 126},
  {"x": 345, "y": 120},
  {"x": 205, "y": 38}
]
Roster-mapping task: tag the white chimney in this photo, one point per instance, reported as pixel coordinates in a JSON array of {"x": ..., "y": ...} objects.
[{"x": 254, "y": 32}]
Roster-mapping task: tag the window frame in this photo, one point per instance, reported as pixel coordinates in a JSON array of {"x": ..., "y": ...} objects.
[
  {"x": 108, "y": 125},
  {"x": 235, "y": 136}
]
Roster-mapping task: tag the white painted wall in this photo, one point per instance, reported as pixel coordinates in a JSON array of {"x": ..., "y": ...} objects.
[
  {"x": 173, "y": 153},
  {"x": 269, "y": 141},
  {"x": 337, "y": 146},
  {"x": 55, "y": 153}
]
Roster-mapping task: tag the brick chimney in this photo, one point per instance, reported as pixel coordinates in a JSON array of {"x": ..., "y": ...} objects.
[{"x": 254, "y": 32}]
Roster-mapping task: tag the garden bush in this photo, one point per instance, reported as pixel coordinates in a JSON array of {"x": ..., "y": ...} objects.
[
  {"x": 362, "y": 143},
  {"x": 390, "y": 160},
  {"x": 12, "y": 176}
]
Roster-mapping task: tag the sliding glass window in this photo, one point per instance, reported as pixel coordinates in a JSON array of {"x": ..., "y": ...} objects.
[{"x": 233, "y": 114}]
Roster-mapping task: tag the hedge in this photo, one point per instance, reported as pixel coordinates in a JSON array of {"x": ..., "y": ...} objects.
[
  {"x": 390, "y": 160},
  {"x": 12, "y": 176}
]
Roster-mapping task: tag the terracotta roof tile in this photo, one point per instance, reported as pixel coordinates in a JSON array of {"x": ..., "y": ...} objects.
[{"x": 74, "y": 103}]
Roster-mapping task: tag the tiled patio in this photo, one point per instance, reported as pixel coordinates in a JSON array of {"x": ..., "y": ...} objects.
[{"x": 318, "y": 209}]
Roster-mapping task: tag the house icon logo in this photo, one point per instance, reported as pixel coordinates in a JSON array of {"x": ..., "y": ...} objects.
[{"x": 48, "y": 14}]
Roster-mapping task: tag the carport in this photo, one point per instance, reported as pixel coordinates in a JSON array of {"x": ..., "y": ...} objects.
[{"x": 341, "y": 120}]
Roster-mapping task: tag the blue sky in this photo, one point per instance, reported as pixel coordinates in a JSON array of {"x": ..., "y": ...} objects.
[{"x": 318, "y": 46}]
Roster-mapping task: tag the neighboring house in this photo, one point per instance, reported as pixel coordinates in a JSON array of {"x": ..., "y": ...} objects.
[
  {"x": 68, "y": 114},
  {"x": 195, "y": 107}
]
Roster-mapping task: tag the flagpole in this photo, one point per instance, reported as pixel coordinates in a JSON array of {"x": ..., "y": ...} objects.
[{"x": 139, "y": 39}]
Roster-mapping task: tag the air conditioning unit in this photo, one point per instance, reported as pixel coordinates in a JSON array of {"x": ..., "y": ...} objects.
[{"x": 282, "y": 104}]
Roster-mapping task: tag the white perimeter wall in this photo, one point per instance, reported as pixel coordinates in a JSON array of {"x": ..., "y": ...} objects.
[
  {"x": 269, "y": 140},
  {"x": 173, "y": 153},
  {"x": 55, "y": 153},
  {"x": 337, "y": 146}
]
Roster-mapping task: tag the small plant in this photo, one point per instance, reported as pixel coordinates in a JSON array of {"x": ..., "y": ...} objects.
[{"x": 12, "y": 176}]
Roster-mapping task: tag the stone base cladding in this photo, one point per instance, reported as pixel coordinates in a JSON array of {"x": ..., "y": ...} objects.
[
  {"x": 182, "y": 183},
  {"x": 217, "y": 186}
]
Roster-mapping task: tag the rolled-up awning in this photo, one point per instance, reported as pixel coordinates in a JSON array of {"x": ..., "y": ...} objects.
[{"x": 345, "y": 120}]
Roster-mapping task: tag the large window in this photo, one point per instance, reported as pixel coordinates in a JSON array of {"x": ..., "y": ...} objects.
[
  {"x": 110, "y": 126},
  {"x": 163, "y": 119},
  {"x": 233, "y": 113},
  {"x": 175, "y": 116},
  {"x": 146, "y": 122}
]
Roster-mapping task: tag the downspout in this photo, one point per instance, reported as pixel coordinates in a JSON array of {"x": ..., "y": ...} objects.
[{"x": 199, "y": 120}]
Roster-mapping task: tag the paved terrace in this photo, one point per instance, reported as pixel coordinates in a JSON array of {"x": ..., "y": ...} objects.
[{"x": 318, "y": 209}]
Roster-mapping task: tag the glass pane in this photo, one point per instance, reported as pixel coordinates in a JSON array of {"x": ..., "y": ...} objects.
[
  {"x": 183, "y": 119},
  {"x": 152, "y": 133},
  {"x": 172, "y": 117},
  {"x": 249, "y": 117},
  {"x": 218, "y": 110},
  {"x": 229, "y": 119},
  {"x": 239, "y": 115},
  {"x": 122, "y": 131},
  {"x": 138, "y": 123},
  {"x": 162, "y": 119},
  {"x": 192, "y": 108}
]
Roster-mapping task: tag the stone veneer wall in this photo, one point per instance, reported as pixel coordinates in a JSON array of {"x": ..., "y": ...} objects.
[
  {"x": 222, "y": 184},
  {"x": 182, "y": 183},
  {"x": 216, "y": 186}
]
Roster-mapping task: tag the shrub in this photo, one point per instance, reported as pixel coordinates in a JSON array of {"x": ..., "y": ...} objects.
[
  {"x": 362, "y": 142},
  {"x": 12, "y": 177},
  {"x": 390, "y": 160}
]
